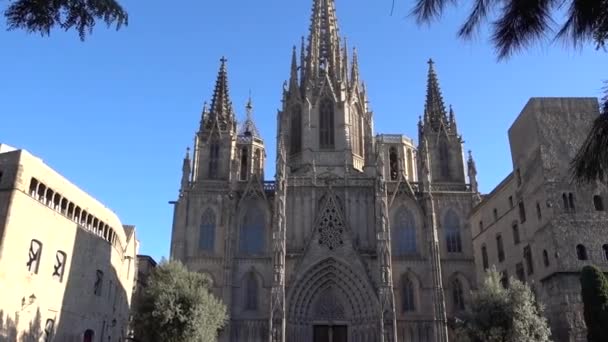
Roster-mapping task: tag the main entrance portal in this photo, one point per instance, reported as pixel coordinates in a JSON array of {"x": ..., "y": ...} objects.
[{"x": 330, "y": 333}]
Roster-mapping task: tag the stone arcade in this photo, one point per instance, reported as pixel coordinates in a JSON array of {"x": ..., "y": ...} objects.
[{"x": 360, "y": 237}]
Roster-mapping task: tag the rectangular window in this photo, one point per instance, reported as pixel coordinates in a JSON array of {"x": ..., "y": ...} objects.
[
  {"x": 500, "y": 248},
  {"x": 519, "y": 271},
  {"x": 522, "y": 212},
  {"x": 34, "y": 256},
  {"x": 495, "y": 214},
  {"x": 510, "y": 201},
  {"x": 528, "y": 259},
  {"x": 539, "y": 214},
  {"x": 515, "y": 228},
  {"x": 480, "y": 226},
  {"x": 59, "y": 267}
]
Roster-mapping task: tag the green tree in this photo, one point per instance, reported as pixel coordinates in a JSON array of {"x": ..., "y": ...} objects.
[
  {"x": 497, "y": 314},
  {"x": 521, "y": 23},
  {"x": 40, "y": 16},
  {"x": 594, "y": 288},
  {"x": 176, "y": 306}
]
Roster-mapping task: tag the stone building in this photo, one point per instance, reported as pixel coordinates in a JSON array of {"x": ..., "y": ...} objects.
[
  {"x": 359, "y": 237},
  {"x": 538, "y": 225},
  {"x": 66, "y": 261}
]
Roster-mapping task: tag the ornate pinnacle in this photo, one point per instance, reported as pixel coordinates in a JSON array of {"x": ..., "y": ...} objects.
[
  {"x": 221, "y": 106},
  {"x": 434, "y": 106}
]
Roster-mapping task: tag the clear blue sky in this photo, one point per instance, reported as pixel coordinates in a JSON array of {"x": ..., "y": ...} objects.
[{"x": 114, "y": 114}]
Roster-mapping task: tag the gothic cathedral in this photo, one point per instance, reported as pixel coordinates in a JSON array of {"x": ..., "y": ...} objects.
[{"x": 359, "y": 237}]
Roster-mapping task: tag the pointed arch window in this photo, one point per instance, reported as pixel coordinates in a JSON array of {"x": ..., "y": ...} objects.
[
  {"x": 356, "y": 134},
  {"x": 457, "y": 295},
  {"x": 252, "y": 232},
  {"x": 452, "y": 232},
  {"x": 404, "y": 232},
  {"x": 244, "y": 170},
  {"x": 444, "y": 159},
  {"x": 546, "y": 258},
  {"x": 214, "y": 156},
  {"x": 326, "y": 124},
  {"x": 484, "y": 257},
  {"x": 206, "y": 238},
  {"x": 296, "y": 129},
  {"x": 394, "y": 162},
  {"x": 408, "y": 295},
  {"x": 251, "y": 292}
]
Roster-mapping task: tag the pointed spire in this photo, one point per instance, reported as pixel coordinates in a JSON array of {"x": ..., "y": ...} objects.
[
  {"x": 302, "y": 60},
  {"x": 221, "y": 106},
  {"x": 186, "y": 170},
  {"x": 452, "y": 121},
  {"x": 248, "y": 128},
  {"x": 204, "y": 114},
  {"x": 472, "y": 171},
  {"x": 324, "y": 41},
  {"x": 354, "y": 74},
  {"x": 293, "y": 79},
  {"x": 344, "y": 70},
  {"x": 434, "y": 106}
]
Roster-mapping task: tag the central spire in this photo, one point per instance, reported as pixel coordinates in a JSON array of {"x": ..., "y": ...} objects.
[
  {"x": 221, "y": 106},
  {"x": 323, "y": 41}
]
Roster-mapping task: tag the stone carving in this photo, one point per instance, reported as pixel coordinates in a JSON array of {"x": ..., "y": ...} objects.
[{"x": 331, "y": 226}]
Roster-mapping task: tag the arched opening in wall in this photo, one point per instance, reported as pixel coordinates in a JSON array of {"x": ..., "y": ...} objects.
[
  {"x": 444, "y": 159},
  {"x": 83, "y": 218},
  {"x": 77, "y": 215},
  {"x": 89, "y": 335},
  {"x": 393, "y": 162},
  {"x": 57, "y": 201},
  {"x": 410, "y": 165},
  {"x": 34, "y": 187},
  {"x": 295, "y": 145},
  {"x": 251, "y": 292},
  {"x": 214, "y": 155},
  {"x": 207, "y": 231},
  {"x": 546, "y": 258},
  {"x": 484, "y": 257},
  {"x": 605, "y": 249},
  {"x": 452, "y": 232},
  {"x": 49, "y": 197},
  {"x": 581, "y": 252},
  {"x": 404, "y": 232},
  {"x": 64, "y": 206},
  {"x": 244, "y": 170},
  {"x": 252, "y": 233},
  {"x": 565, "y": 201},
  {"x": 71, "y": 211},
  {"x": 408, "y": 295},
  {"x": 571, "y": 201},
  {"x": 41, "y": 192},
  {"x": 457, "y": 295},
  {"x": 598, "y": 203},
  {"x": 257, "y": 162},
  {"x": 326, "y": 124}
]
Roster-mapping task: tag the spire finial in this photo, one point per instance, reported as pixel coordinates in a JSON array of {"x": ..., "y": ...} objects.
[
  {"x": 324, "y": 40},
  {"x": 188, "y": 153},
  {"x": 249, "y": 106}
]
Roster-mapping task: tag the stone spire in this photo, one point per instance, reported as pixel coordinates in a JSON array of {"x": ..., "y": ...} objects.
[
  {"x": 221, "y": 107},
  {"x": 186, "y": 171},
  {"x": 434, "y": 108},
  {"x": 354, "y": 73},
  {"x": 248, "y": 128},
  {"x": 293, "y": 78},
  {"x": 323, "y": 41},
  {"x": 472, "y": 171}
]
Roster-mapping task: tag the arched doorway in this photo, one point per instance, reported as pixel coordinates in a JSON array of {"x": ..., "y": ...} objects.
[
  {"x": 88, "y": 336},
  {"x": 332, "y": 303}
]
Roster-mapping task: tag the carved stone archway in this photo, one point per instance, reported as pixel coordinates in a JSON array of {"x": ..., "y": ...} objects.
[{"x": 331, "y": 292}]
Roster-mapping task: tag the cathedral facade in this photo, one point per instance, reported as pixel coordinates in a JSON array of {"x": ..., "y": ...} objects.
[{"x": 359, "y": 237}]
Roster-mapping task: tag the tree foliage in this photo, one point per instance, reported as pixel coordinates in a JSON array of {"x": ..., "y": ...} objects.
[
  {"x": 594, "y": 288},
  {"x": 497, "y": 314},
  {"x": 176, "y": 306},
  {"x": 40, "y": 16}
]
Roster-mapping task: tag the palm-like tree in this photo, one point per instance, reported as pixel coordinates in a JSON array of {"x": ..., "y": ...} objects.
[{"x": 520, "y": 23}]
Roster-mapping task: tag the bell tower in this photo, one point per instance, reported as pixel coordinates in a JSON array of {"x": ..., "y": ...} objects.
[
  {"x": 328, "y": 123},
  {"x": 439, "y": 129},
  {"x": 215, "y": 141}
]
